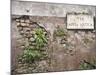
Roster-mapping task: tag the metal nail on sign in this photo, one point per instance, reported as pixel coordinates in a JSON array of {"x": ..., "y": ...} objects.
[{"x": 80, "y": 21}]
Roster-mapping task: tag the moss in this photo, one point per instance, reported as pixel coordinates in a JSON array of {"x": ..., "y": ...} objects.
[
  {"x": 60, "y": 32},
  {"x": 87, "y": 65},
  {"x": 87, "y": 40}
]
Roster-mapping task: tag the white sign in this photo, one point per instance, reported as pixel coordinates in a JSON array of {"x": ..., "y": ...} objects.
[{"x": 80, "y": 21}]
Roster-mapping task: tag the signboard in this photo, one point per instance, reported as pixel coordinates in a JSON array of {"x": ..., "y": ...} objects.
[{"x": 80, "y": 21}]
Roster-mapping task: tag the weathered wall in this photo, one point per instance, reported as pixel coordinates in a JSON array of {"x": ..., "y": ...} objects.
[
  {"x": 48, "y": 9},
  {"x": 66, "y": 52}
]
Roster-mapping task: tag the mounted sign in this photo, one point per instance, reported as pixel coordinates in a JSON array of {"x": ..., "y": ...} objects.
[{"x": 80, "y": 21}]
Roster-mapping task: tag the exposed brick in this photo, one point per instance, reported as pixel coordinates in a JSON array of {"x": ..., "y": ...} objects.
[
  {"x": 27, "y": 21},
  {"x": 23, "y": 24},
  {"x": 21, "y": 20}
]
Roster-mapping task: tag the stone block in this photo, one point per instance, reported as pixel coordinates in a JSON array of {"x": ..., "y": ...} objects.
[
  {"x": 22, "y": 32},
  {"x": 27, "y": 29},
  {"x": 27, "y": 21},
  {"x": 32, "y": 39},
  {"x": 27, "y": 24},
  {"x": 21, "y": 20},
  {"x": 22, "y": 47},
  {"x": 23, "y": 24},
  {"x": 17, "y": 20},
  {"x": 28, "y": 36},
  {"x": 18, "y": 24}
]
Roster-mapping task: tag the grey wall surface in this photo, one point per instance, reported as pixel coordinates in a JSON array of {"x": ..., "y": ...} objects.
[{"x": 19, "y": 7}]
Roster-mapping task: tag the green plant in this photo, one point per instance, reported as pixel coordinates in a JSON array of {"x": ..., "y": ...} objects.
[
  {"x": 30, "y": 55},
  {"x": 87, "y": 40},
  {"x": 60, "y": 32},
  {"x": 40, "y": 38},
  {"x": 87, "y": 65},
  {"x": 33, "y": 54}
]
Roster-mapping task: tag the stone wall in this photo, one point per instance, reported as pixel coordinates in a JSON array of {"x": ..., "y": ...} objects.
[{"x": 65, "y": 50}]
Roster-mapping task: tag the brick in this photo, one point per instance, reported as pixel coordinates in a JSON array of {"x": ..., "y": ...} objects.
[
  {"x": 21, "y": 20},
  {"x": 18, "y": 24},
  {"x": 23, "y": 24},
  {"x": 17, "y": 20},
  {"x": 27, "y": 21}
]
